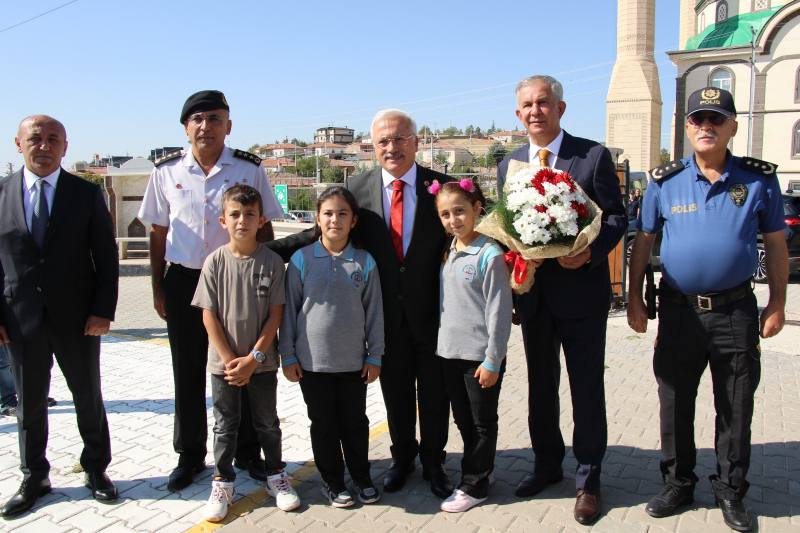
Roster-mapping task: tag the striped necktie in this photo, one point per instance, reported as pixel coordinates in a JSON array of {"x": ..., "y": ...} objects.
[{"x": 41, "y": 215}]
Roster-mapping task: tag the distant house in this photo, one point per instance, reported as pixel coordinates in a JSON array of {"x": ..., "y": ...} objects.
[
  {"x": 456, "y": 155},
  {"x": 277, "y": 164},
  {"x": 334, "y": 134},
  {"x": 507, "y": 137},
  {"x": 332, "y": 150},
  {"x": 158, "y": 153},
  {"x": 355, "y": 147},
  {"x": 276, "y": 150}
]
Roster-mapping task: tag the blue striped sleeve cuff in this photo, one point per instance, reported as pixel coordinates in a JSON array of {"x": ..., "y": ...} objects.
[
  {"x": 372, "y": 361},
  {"x": 287, "y": 362},
  {"x": 490, "y": 368}
]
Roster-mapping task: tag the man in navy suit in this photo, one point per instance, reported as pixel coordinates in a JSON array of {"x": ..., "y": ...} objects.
[
  {"x": 567, "y": 307},
  {"x": 59, "y": 273}
]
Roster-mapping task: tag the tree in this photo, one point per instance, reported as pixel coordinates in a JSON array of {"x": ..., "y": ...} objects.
[
  {"x": 333, "y": 175},
  {"x": 477, "y": 131},
  {"x": 492, "y": 129},
  {"x": 299, "y": 143},
  {"x": 665, "y": 156},
  {"x": 451, "y": 131},
  {"x": 253, "y": 149},
  {"x": 307, "y": 166},
  {"x": 300, "y": 201},
  {"x": 469, "y": 130},
  {"x": 440, "y": 159},
  {"x": 424, "y": 130},
  {"x": 94, "y": 178},
  {"x": 359, "y": 137},
  {"x": 496, "y": 151}
]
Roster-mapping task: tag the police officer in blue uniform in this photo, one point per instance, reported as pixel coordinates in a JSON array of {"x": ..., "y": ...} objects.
[{"x": 710, "y": 207}]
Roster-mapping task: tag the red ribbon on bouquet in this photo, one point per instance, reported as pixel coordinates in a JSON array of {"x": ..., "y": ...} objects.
[{"x": 519, "y": 266}]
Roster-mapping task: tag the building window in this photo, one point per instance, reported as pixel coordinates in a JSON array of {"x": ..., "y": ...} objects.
[
  {"x": 796, "y": 141},
  {"x": 722, "y": 78},
  {"x": 701, "y": 24},
  {"x": 760, "y": 5},
  {"x": 722, "y": 11}
]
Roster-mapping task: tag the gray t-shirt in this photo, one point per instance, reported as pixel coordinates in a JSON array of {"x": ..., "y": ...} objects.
[{"x": 241, "y": 291}]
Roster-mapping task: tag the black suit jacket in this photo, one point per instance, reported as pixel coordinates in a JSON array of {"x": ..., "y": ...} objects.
[
  {"x": 75, "y": 275},
  {"x": 413, "y": 285},
  {"x": 585, "y": 291}
]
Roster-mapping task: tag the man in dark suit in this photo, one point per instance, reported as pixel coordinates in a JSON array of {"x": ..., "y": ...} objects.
[
  {"x": 399, "y": 226},
  {"x": 568, "y": 304},
  {"x": 59, "y": 273}
]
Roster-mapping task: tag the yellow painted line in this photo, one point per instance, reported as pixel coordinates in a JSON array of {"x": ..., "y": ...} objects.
[
  {"x": 251, "y": 501},
  {"x": 162, "y": 342}
]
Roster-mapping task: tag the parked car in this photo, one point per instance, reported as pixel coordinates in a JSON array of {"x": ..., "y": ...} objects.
[
  {"x": 288, "y": 217},
  {"x": 791, "y": 210},
  {"x": 305, "y": 216}
]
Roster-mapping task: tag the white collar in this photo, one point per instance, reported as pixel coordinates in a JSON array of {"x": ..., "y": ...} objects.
[
  {"x": 410, "y": 177},
  {"x": 225, "y": 158},
  {"x": 31, "y": 178},
  {"x": 553, "y": 147}
]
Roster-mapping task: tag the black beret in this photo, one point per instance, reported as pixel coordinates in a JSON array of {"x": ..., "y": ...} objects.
[
  {"x": 712, "y": 99},
  {"x": 203, "y": 101}
]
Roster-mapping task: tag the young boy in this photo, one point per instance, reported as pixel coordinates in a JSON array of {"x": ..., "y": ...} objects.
[{"x": 241, "y": 292}]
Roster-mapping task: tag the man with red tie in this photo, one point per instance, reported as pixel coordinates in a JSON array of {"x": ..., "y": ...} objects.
[{"x": 399, "y": 225}]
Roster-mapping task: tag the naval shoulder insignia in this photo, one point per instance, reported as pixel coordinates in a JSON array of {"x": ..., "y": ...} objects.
[
  {"x": 758, "y": 166},
  {"x": 667, "y": 169},
  {"x": 168, "y": 157},
  {"x": 247, "y": 156}
]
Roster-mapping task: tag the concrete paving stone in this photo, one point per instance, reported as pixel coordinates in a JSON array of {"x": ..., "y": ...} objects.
[
  {"x": 280, "y": 521},
  {"x": 359, "y": 522},
  {"x": 156, "y": 523},
  {"x": 57, "y": 506},
  {"x": 174, "y": 506},
  {"x": 88, "y": 521},
  {"x": 701, "y": 521},
  {"x": 132, "y": 513},
  {"x": 41, "y": 525},
  {"x": 606, "y": 524},
  {"x": 637, "y": 515},
  {"x": 522, "y": 524}
]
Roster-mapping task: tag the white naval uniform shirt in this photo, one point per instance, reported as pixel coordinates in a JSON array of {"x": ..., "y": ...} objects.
[{"x": 180, "y": 196}]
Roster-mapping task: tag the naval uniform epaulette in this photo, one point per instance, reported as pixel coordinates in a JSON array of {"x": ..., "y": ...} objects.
[
  {"x": 667, "y": 169},
  {"x": 758, "y": 166},
  {"x": 168, "y": 157},
  {"x": 247, "y": 156}
]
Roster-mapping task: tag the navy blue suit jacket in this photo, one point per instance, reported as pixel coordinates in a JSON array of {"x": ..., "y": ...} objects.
[{"x": 585, "y": 291}]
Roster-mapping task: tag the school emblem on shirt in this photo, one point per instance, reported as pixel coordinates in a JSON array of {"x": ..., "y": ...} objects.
[
  {"x": 738, "y": 194},
  {"x": 262, "y": 285},
  {"x": 356, "y": 279},
  {"x": 468, "y": 273}
]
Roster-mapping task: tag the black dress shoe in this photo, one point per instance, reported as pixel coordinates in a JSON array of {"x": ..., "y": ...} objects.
[
  {"x": 25, "y": 497},
  {"x": 395, "y": 477},
  {"x": 103, "y": 489},
  {"x": 256, "y": 468},
  {"x": 535, "y": 482},
  {"x": 670, "y": 498},
  {"x": 51, "y": 402},
  {"x": 735, "y": 514},
  {"x": 183, "y": 476},
  {"x": 440, "y": 481}
]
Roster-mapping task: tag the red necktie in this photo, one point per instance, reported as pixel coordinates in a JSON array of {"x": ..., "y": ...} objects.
[{"x": 396, "y": 218}]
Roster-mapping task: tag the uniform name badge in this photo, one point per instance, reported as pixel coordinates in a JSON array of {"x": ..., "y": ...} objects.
[{"x": 738, "y": 194}]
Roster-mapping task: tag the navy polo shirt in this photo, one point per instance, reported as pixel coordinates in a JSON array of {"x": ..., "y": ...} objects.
[{"x": 709, "y": 242}]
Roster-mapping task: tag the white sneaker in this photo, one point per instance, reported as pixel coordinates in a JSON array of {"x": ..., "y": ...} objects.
[
  {"x": 221, "y": 498},
  {"x": 460, "y": 501},
  {"x": 278, "y": 487}
]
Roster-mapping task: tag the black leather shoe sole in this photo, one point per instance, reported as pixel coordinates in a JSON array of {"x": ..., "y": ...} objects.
[
  {"x": 16, "y": 506},
  {"x": 531, "y": 488},
  {"x": 662, "y": 510},
  {"x": 183, "y": 476},
  {"x": 395, "y": 478}
]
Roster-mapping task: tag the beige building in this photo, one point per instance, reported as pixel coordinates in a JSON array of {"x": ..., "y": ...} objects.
[
  {"x": 334, "y": 134},
  {"x": 633, "y": 105},
  {"x": 456, "y": 155},
  {"x": 715, "y": 37}
]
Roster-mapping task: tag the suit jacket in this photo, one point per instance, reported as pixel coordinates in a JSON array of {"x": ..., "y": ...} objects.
[
  {"x": 585, "y": 291},
  {"x": 410, "y": 287},
  {"x": 73, "y": 276}
]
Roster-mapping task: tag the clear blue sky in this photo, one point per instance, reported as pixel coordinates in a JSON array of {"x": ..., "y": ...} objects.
[{"x": 117, "y": 73}]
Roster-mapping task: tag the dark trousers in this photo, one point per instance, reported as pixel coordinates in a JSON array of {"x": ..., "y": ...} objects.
[
  {"x": 411, "y": 373},
  {"x": 584, "y": 344},
  {"x": 78, "y": 357},
  {"x": 475, "y": 414},
  {"x": 263, "y": 389},
  {"x": 188, "y": 342},
  {"x": 8, "y": 393},
  {"x": 726, "y": 339},
  {"x": 337, "y": 408}
]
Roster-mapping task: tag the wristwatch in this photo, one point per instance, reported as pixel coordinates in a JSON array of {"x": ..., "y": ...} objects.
[{"x": 260, "y": 357}]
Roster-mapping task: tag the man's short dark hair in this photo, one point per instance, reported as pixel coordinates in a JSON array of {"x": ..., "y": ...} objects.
[{"x": 245, "y": 195}]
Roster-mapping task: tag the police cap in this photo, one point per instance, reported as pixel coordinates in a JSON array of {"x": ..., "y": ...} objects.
[
  {"x": 203, "y": 101},
  {"x": 712, "y": 99}
]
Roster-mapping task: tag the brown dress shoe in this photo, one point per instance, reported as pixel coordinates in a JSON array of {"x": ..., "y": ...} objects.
[{"x": 587, "y": 507}]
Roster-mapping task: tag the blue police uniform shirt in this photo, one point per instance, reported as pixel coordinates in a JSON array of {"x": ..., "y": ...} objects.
[{"x": 709, "y": 243}]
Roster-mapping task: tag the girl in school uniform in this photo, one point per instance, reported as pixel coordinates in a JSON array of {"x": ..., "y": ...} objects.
[
  {"x": 331, "y": 341},
  {"x": 474, "y": 327}
]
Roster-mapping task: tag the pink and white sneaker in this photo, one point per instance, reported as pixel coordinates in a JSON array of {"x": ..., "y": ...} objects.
[{"x": 460, "y": 501}]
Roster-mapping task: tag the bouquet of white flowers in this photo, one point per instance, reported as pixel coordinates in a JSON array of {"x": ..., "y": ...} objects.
[{"x": 544, "y": 214}]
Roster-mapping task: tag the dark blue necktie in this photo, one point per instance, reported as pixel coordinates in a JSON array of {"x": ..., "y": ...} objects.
[{"x": 41, "y": 216}]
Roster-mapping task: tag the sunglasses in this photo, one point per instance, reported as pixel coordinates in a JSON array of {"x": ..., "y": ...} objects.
[{"x": 715, "y": 119}]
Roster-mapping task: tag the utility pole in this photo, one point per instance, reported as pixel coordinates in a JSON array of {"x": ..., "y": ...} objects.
[
  {"x": 752, "y": 90},
  {"x": 10, "y": 169}
]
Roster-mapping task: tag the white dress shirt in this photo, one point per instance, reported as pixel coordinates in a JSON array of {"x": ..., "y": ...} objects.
[
  {"x": 181, "y": 197},
  {"x": 30, "y": 196},
  {"x": 553, "y": 148},
  {"x": 409, "y": 201}
]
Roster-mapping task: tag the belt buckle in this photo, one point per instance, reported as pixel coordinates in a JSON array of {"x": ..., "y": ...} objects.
[{"x": 702, "y": 301}]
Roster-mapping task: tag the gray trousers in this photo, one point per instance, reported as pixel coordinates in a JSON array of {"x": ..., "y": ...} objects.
[{"x": 227, "y": 399}]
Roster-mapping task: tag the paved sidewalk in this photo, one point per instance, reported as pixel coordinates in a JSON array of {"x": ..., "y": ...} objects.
[{"x": 137, "y": 384}]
